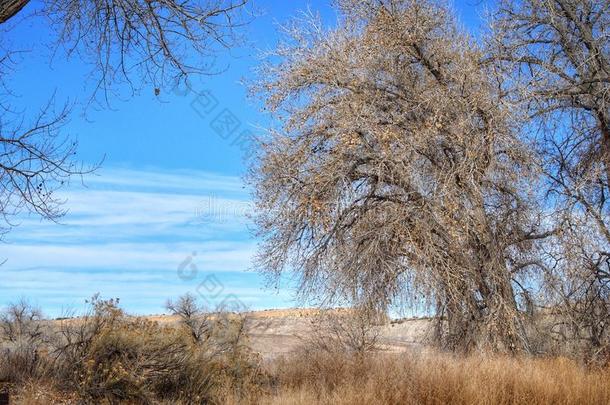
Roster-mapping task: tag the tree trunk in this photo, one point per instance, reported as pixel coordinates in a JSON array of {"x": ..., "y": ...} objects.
[
  {"x": 605, "y": 141},
  {"x": 8, "y": 8}
]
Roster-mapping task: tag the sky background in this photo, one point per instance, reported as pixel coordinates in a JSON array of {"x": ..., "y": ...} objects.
[{"x": 166, "y": 213}]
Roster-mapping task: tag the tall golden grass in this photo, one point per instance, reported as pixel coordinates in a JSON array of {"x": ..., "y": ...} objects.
[
  {"x": 428, "y": 378},
  {"x": 434, "y": 378}
]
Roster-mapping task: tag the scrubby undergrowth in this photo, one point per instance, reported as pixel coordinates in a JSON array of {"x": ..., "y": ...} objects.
[{"x": 106, "y": 357}]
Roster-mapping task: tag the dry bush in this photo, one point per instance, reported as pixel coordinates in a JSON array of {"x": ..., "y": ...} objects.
[
  {"x": 224, "y": 334},
  {"x": 131, "y": 359},
  {"x": 22, "y": 336},
  {"x": 433, "y": 378},
  {"x": 107, "y": 357},
  {"x": 344, "y": 331}
]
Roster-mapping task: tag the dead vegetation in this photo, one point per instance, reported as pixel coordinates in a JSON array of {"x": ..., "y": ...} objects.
[
  {"x": 107, "y": 357},
  {"x": 398, "y": 173},
  {"x": 353, "y": 332},
  {"x": 416, "y": 166},
  {"x": 434, "y": 378}
]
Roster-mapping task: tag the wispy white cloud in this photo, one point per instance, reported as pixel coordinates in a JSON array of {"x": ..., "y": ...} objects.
[
  {"x": 177, "y": 180},
  {"x": 126, "y": 234},
  {"x": 214, "y": 256}
]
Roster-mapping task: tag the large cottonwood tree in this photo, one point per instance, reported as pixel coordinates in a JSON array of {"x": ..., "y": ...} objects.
[{"x": 396, "y": 171}]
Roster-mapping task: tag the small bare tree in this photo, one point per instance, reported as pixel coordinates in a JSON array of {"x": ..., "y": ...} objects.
[
  {"x": 22, "y": 336},
  {"x": 21, "y": 322},
  {"x": 336, "y": 330},
  {"x": 397, "y": 171},
  {"x": 193, "y": 316}
]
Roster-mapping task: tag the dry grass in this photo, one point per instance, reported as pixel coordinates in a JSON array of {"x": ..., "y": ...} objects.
[
  {"x": 434, "y": 378},
  {"x": 109, "y": 358},
  {"x": 318, "y": 377}
]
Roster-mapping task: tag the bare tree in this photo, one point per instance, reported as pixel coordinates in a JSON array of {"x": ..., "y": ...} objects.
[
  {"x": 22, "y": 335},
  {"x": 21, "y": 322},
  {"x": 397, "y": 171},
  {"x": 138, "y": 42},
  {"x": 34, "y": 162},
  {"x": 556, "y": 54},
  {"x": 353, "y": 331},
  {"x": 194, "y": 317},
  {"x": 157, "y": 42},
  {"x": 152, "y": 41}
]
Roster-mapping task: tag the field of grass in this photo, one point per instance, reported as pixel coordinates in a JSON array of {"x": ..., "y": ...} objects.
[
  {"x": 110, "y": 358},
  {"x": 435, "y": 378},
  {"x": 409, "y": 378}
]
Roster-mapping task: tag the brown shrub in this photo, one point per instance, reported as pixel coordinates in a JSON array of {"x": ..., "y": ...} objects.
[
  {"x": 107, "y": 357},
  {"x": 22, "y": 334},
  {"x": 353, "y": 330}
]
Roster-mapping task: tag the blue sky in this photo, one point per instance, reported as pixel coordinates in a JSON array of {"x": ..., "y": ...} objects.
[{"x": 170, "y": 183}]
